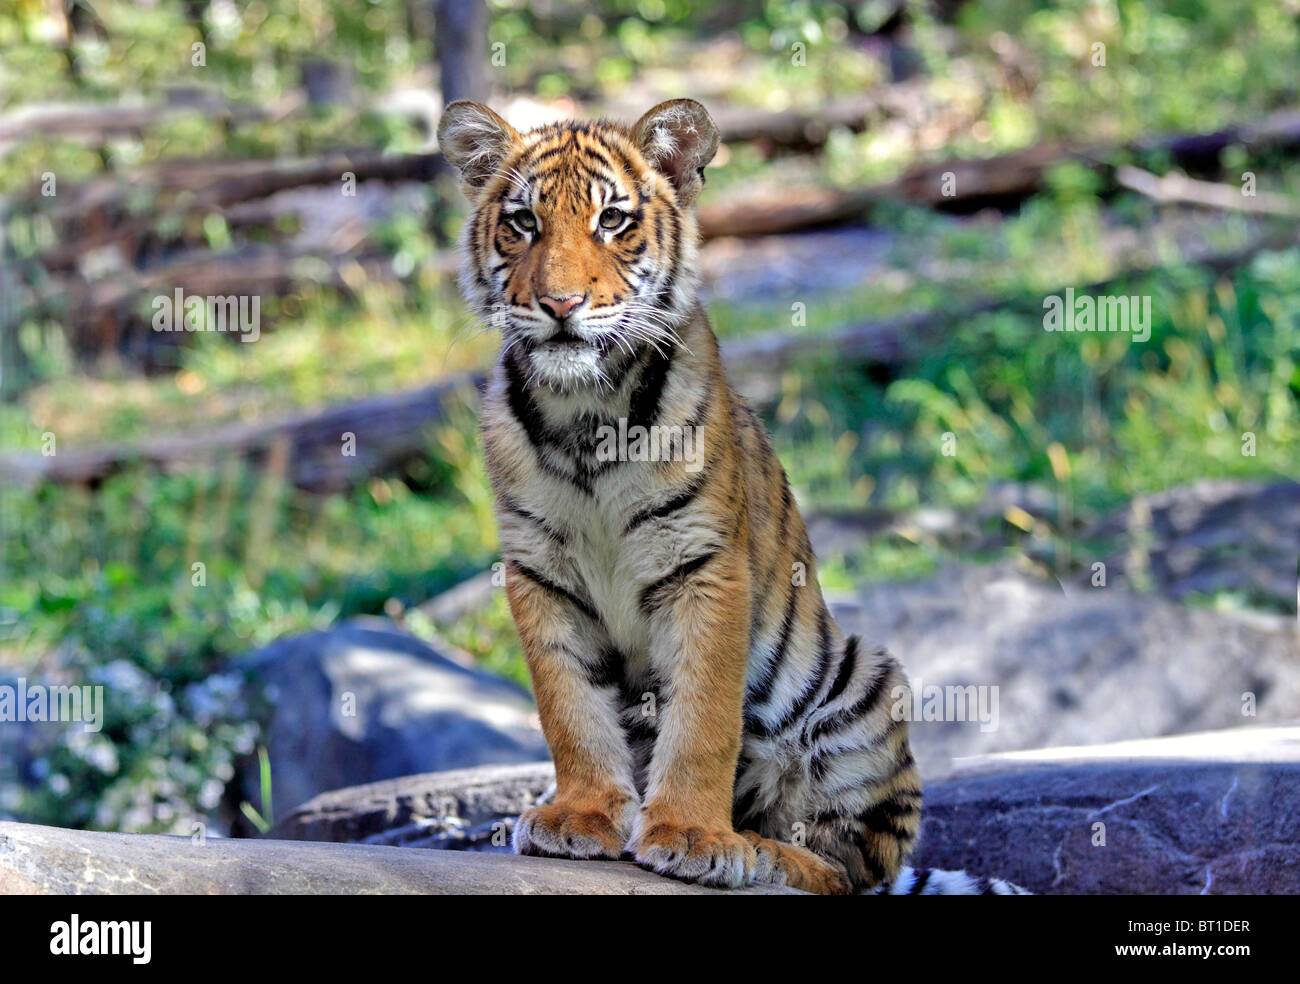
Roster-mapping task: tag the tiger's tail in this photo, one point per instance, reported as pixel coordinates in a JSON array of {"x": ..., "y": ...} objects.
[{"x": 935, "y": 881}]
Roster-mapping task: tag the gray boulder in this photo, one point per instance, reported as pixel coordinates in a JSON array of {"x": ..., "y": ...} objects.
[
  {"x": 467, "y": 809},
  {"x": 1210, "y": 537},
  {"x": 1205, "y": 814},
  {"x": 1094, "y": 665},
  {"x": 362, "y": 702},
  {"x": 1212, "y": 813}
]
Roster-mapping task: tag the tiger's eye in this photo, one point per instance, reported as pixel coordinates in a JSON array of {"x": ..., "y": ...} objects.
[
  {"x": 524, "y": 219},
  {"x": 611, "y": 218}
]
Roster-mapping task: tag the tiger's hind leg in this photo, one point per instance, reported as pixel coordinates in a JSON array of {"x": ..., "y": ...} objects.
[
  {"x": 871, "y": 843},
  {"x": 788, "y": 864},
  {"x": 863, "y": 791},
  {"x": 846, "y": 782},
  {"x": 840, "y": 774}
]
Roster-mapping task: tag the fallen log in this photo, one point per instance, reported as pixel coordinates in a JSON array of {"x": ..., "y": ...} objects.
[
  {"x": 100, "y": 212},
  {"x": 102, "y": 122},
  {"x": 391, "y": 429},
  {"x": 113, "y": 313},
  {"x": 89, "y": 216},
  {"x": 966, "y": 185},
  {"x": 1179, "y": 189},
  {"x": 320, "y": 456},
  {"x": 779, "y": 212},
  {"x": 793, "y": 129}
]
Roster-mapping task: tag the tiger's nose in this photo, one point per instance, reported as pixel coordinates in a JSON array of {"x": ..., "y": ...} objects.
[{"x": 560, "y": 307}]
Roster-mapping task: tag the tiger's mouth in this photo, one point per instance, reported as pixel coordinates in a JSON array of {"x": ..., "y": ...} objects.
[
  {"x": 564, "y": 340},
  {"x": 565, "y": 337}
]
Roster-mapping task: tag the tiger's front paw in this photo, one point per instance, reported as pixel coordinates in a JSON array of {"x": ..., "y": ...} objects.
[
  {"x": 710, "y": 856},
  {"x": 572, "y": 830}
]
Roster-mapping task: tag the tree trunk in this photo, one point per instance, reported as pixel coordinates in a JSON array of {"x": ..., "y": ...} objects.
[{"x": 461, "y": 43}]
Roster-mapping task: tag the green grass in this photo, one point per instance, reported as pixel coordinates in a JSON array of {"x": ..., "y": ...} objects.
[
  {"x": 320, "y": 349},
  {"x": 1222, "y": 361}
]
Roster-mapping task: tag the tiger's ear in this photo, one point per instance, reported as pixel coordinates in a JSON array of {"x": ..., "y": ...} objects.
[
  {"x": 475, "y": 142},
  {"x": 678, "y": 138}
]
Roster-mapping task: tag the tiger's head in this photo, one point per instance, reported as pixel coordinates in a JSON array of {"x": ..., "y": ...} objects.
[{"x": 582, "y": 241}]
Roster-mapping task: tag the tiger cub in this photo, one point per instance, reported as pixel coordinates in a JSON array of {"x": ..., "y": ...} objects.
[{"x": 705, "y": 713}]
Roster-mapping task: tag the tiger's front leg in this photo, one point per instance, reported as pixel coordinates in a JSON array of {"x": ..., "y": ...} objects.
[
  {"x": 596, "y": 798},
  {"x": 699, "y": 625}
]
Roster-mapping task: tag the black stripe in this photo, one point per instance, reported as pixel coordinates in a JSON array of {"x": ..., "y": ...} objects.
[
  {"x": 863, "y": 706},
  {"x": 640, "y": 729},
  {"x": 608, "y": 671},
  {"x": 597, "y": 152},
  {"x": 785, "y": 507},
  {"x": 681, "y": 499},
  {"x": 558, "y": 150},
  {"x": 643, "y": 406},
  {"x": 918, "y": 884},
  {"x": 617, "y": 371},
  {"x": 901, "y": 766},
  {"x": 818, "y": 766},
  {"x": 525, "y": 410},
  {"x": 867, "y": 856},
  {"x": 847, "y": 662},
  {"x": 671, "y": 280},
  {"x": 523, "y": 406},
  {"x": 762, "y": 688},
  {"x": 884, "y": 817},
  {"x": 510, "y": 505},
  {"x": 796, "y": 710},
  {"x": 557, "y": 589},
  {"x": 649, "y": 600}
]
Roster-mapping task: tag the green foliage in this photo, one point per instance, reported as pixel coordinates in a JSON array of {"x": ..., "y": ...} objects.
[
  {"x": 1214, "y": 392},
  {"x": 263, "y": 819},
  {"x": 108, "y": 580}
]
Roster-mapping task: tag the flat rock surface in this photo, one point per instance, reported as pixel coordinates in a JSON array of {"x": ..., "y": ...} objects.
[
  {"x": 1214, "y": 813},
  {"x": 53, "y": 861}
]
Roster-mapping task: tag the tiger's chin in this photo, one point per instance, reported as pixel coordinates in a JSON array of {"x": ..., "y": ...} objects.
[{"x": 568, "y": 367}]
